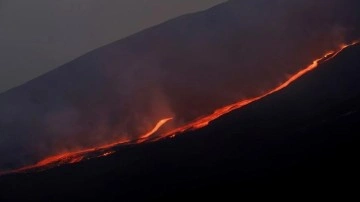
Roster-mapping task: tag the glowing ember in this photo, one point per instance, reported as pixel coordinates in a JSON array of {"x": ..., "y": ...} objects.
[
  {"x": 105, "y": 150},
  {"x": 107, "y": 154}
]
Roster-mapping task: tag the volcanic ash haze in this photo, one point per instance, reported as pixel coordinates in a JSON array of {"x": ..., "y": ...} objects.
[{"x": 184, "y": 68}]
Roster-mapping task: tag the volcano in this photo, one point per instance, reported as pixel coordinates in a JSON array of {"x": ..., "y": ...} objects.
[
  {"x": 94, "y": 127},
  {"x": 182, "y": 69},
  {"x": 295, "y": 140}
]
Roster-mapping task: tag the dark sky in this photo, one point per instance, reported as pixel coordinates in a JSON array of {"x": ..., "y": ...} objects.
[{"x": 39, "y": 35}]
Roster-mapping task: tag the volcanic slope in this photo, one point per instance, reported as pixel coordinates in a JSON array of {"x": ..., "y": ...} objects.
[
  {"x": 184, "y": 68},
  {"x": 302, "y": 139}
]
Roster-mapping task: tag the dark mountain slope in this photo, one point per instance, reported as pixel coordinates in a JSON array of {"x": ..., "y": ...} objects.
[
  {"x": 183, "y": 68},
  {"x": 302, "y": 140}
]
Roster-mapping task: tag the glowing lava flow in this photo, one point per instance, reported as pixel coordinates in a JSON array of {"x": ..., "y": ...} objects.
[
  {"x": 204, "y": 121},
  {"x": 146, "y": 136},
  {"x": 85, "y": 154},
  {"x": 105, "y": 150},
  {"x": 156, "y": 128}
]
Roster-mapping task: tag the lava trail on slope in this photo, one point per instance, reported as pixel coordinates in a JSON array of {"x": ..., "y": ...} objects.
[
  {"x": 106, "y": 150},
  {"x": 205, "y": 120},
  {"x": 86, "y": 154}
]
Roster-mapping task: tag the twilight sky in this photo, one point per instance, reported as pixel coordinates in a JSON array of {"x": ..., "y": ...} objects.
[{"x": 39, "y": 35}]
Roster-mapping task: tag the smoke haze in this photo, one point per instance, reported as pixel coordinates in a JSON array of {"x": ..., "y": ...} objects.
[{"x": 184, "y": 68}]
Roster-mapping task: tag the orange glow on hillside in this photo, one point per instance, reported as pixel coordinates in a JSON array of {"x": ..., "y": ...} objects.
[
  {"x": 204, "y": 121},
  {"x": 106, "y": 150},
  {"x": 156, "y": 128},
  {"x": 85, "y": 154}
]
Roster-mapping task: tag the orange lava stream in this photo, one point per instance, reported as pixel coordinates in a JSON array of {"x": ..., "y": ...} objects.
[
  {"x": 77, "y": 156},
  {"x": 204, "y": 121},
  {"x": 106, "y": 150},
  {"x": 156, "y": 128}
]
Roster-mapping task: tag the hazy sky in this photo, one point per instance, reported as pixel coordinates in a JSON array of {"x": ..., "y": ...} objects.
[{"x": 39, "y": 35}]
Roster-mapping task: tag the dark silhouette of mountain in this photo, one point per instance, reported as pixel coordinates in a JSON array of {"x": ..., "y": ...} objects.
[
  {"x": 302, "y": 140},
  {"x": 183, "y": 68}
]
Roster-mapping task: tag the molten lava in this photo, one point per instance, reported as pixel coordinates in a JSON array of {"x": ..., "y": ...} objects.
[
  {"x": 205, "y": 120},
  {"x": 85, "y": 154},
  {"x": 106, "y": 150},
  {"x": 156, "y": 128}
]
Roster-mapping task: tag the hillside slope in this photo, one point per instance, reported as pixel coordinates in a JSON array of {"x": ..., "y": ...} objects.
[
  {"x": 184, "y": 68},
  {"x": 301, "y": 140}
]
